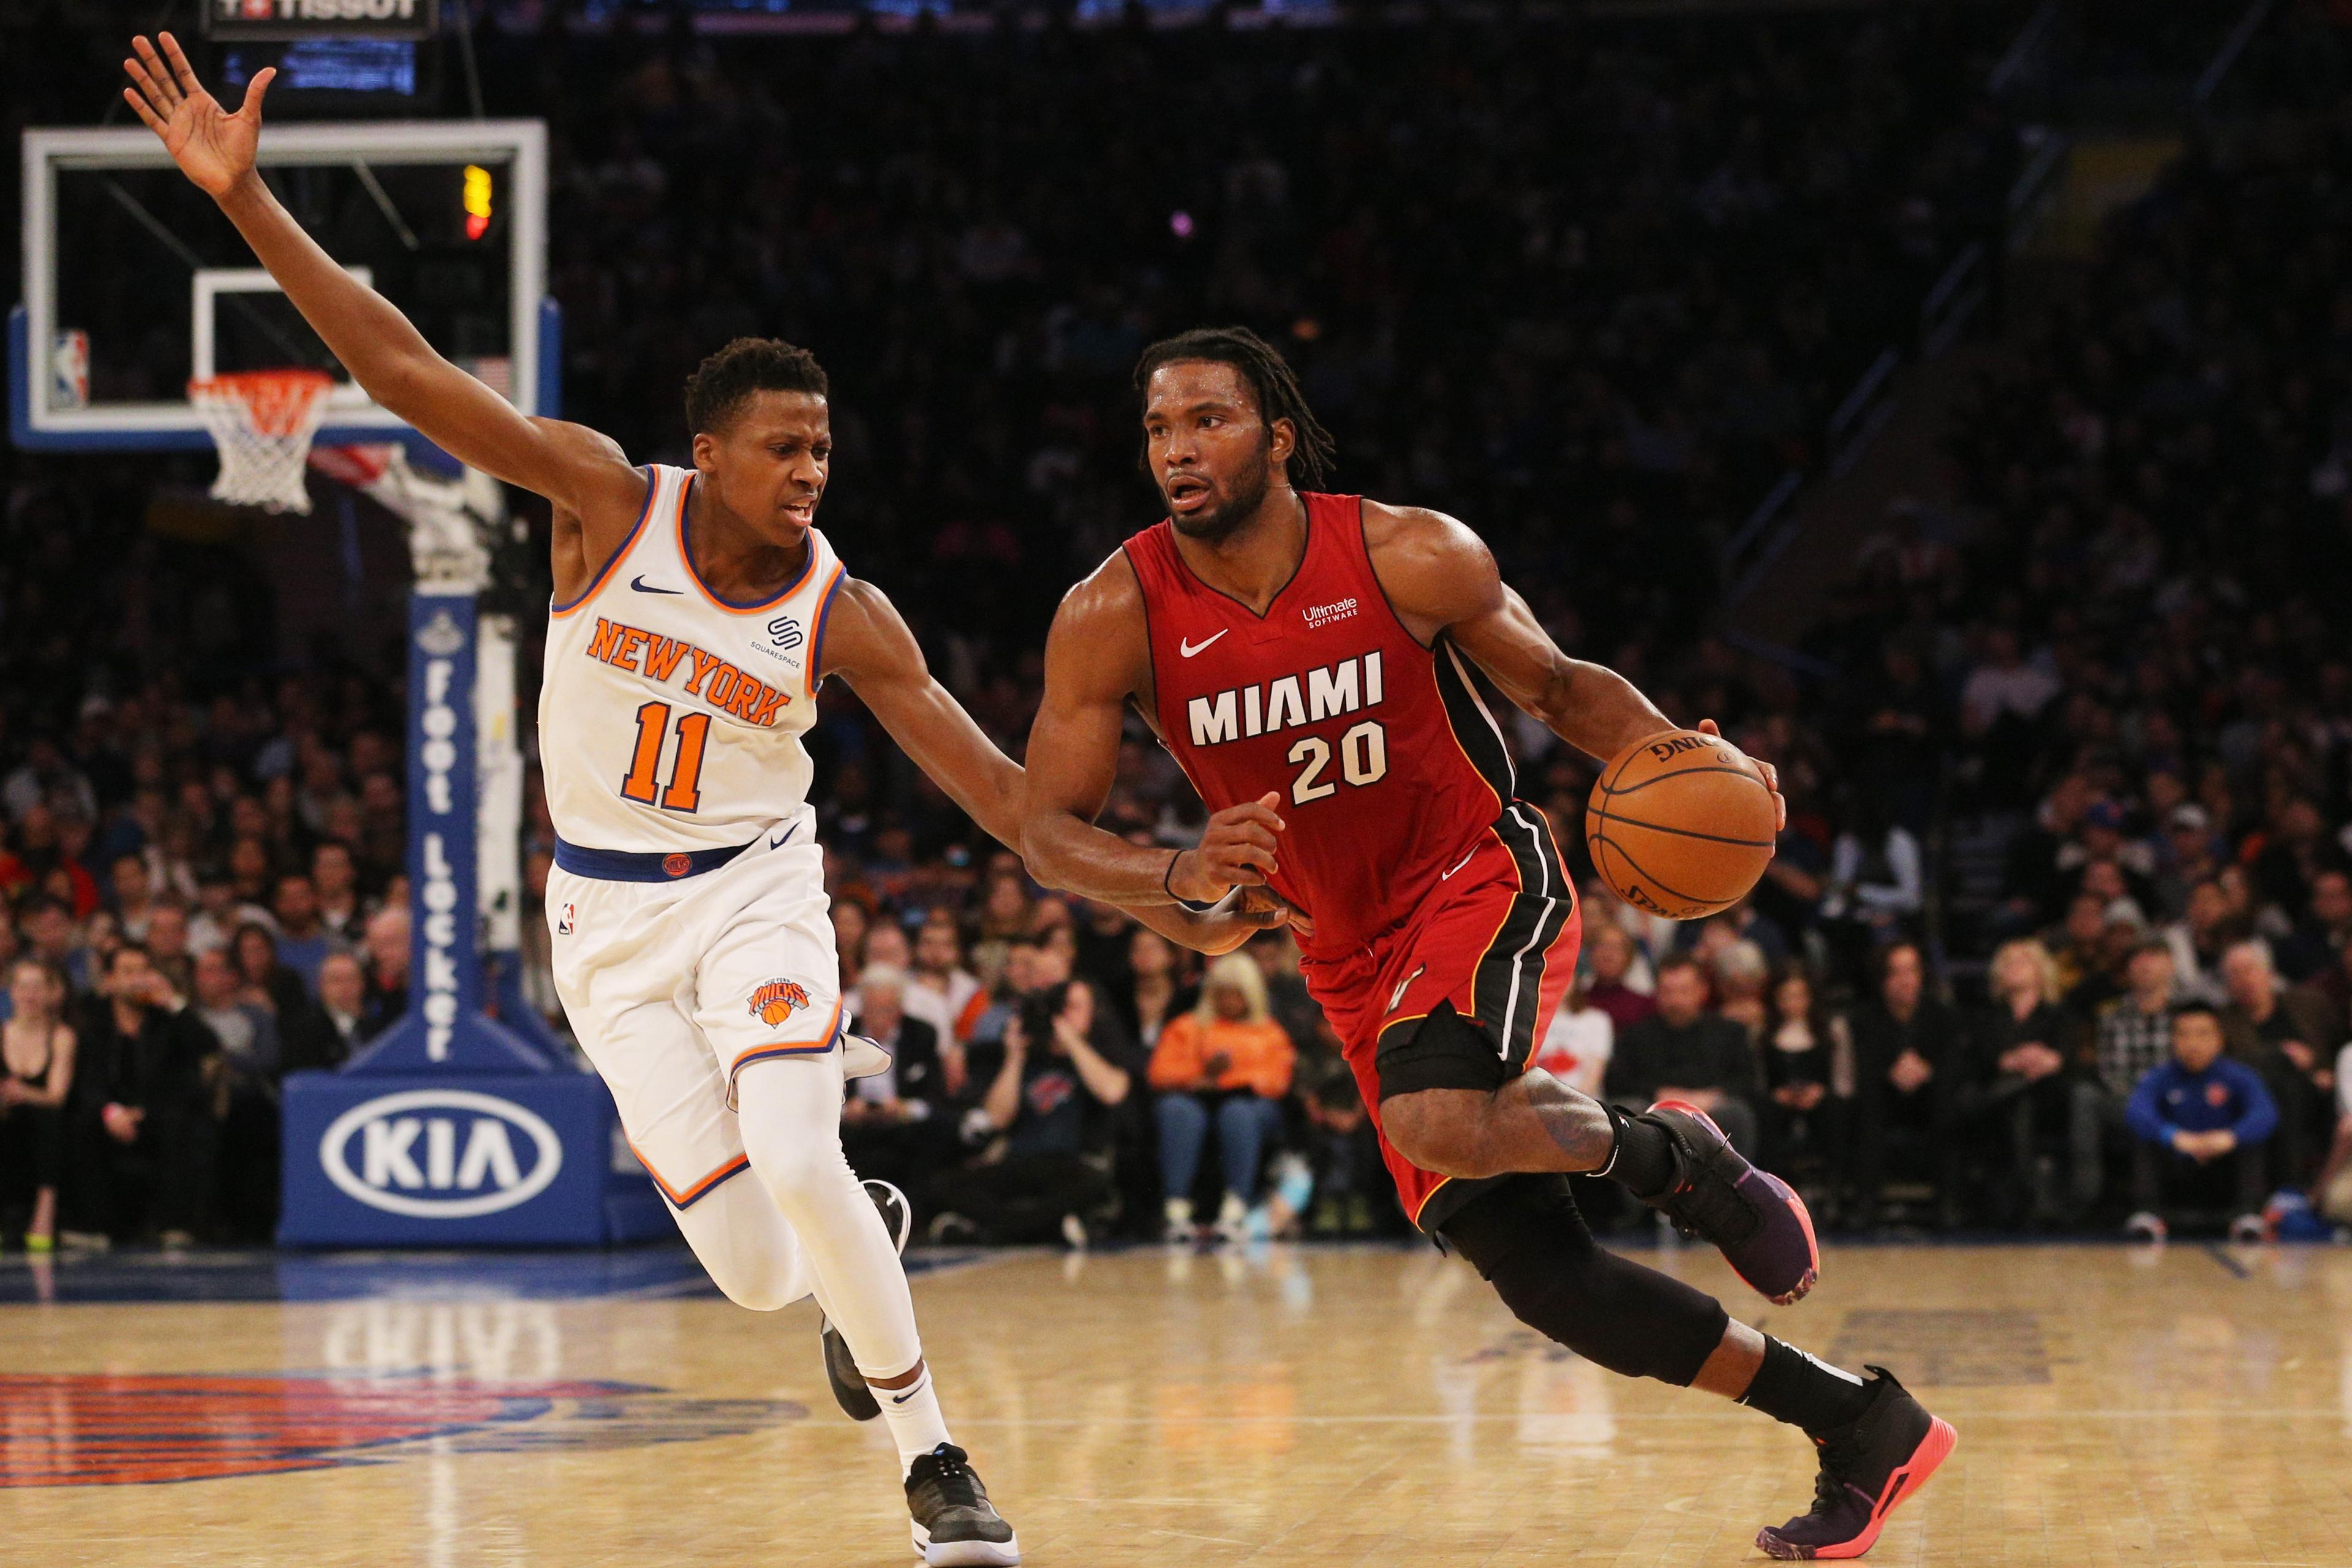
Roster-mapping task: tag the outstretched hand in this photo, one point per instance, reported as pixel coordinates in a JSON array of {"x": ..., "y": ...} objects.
[
  {"x": 213, "y": 147},
  {"x": 1764, "y": 770}
]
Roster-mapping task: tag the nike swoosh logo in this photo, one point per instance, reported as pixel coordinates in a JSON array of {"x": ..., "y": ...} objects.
[
  {"x": 1396, "y": 997},
  {"x": 780, "y": 843},
  {"x": 640, "y": 584},
  {"x": 1187, "y": 648},
  {"x": 1458, "y": 865},
  {"x": 902, "y": 1399}
]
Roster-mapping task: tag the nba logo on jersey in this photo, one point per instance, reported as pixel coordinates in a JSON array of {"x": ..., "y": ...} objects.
[{"x": 778, "y": 1000}]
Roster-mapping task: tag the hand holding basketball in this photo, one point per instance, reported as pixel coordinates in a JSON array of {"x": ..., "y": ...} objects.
[
  {"x": 213, "y": 147},
  {"x": 1770, "y": 775},
  {"x": 1681, "y": 824}
]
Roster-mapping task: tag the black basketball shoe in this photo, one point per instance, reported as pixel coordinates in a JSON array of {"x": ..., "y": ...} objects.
[
  {"x": 1755, "y": 1219},
  {"x": 850, "y": 1389},
  {"x": 1868, "y": 1465},
  {"x": 954, "y": 1522}
]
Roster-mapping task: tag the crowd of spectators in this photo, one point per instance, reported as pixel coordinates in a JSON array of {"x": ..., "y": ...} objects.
[
  {"x": 199, "y": 898},
  {"x": 1591, "y": 286},
  {"x": 2112, "y": 669}
]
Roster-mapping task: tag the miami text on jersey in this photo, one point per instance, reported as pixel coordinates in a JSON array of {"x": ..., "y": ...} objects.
[
  {"x": 1289, "y": 703},
  {"x": 708, "y": 676}
]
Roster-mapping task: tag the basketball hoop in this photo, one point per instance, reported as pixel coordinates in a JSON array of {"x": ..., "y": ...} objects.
[{"x": 262, "y": 422}]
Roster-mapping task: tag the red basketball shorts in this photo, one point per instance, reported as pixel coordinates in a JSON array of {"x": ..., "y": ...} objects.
[{"x": 1496, "y": 940}]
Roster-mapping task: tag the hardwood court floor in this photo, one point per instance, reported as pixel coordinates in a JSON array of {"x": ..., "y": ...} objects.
[{"x": 1367, "y": 1406}]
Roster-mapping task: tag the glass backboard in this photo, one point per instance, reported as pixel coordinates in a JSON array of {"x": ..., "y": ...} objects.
[{"x": 134, "y": 282}]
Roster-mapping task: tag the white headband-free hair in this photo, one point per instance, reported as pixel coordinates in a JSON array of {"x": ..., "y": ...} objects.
[{"x": 888, "y": 977}]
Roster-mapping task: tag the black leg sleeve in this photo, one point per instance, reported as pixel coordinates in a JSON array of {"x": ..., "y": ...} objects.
[{"x": 1527, "y": 1238}]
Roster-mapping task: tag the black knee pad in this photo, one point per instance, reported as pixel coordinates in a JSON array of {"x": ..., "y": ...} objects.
[
  {"x": 1527, "y": 1238},
  {"x": 1444, "y": 1051}
]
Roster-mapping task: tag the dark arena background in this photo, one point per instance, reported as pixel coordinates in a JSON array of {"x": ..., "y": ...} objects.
[{"x": 1952, "y": 399}]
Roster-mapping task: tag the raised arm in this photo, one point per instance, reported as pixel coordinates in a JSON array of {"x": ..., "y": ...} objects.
[
  {"x": 57, "y": 1082},
  {"x": 1002, "y": 1103},
  {"x": 574, "y": 467},
  {"x": 867, "y": 643},
  {"x": 1096, "y": 657},
  {"x": 1442, "y": 580},
  {"x": 1105, "y": 1080}
]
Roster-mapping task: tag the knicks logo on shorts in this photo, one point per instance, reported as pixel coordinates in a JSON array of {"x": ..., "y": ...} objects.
[{"x": 778, "y": 1000}]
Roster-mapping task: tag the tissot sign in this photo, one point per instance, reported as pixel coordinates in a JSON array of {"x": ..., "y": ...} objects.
[{"x": 264, "y": 19}]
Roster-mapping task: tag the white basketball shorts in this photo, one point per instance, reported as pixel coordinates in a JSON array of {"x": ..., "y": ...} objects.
[{"x": 675, "y": 986}]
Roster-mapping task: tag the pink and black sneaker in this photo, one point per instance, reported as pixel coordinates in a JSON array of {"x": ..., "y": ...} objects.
[
  {"x": 1755, "y": 1218},
  {"x": 1868, "y": 1465}
]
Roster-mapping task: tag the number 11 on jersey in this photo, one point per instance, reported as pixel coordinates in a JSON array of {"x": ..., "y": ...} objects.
[{"x": 683, "y": 792}]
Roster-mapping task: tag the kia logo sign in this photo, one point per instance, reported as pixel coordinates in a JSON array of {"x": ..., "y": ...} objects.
[{"x": 440, "y": 1154}]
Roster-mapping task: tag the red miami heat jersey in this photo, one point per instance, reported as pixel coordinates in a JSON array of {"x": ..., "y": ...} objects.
[{"x": 1391, "y": 768}]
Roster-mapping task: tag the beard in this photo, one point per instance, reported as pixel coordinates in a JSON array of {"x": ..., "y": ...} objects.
[{"x": 1247, "y": 494}]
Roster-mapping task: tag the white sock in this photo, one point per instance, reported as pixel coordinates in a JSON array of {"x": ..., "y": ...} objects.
[{"x": 916, "y": 1423}]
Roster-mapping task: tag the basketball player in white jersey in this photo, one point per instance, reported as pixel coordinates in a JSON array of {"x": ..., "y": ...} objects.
[{"x": 696, "y": 613}]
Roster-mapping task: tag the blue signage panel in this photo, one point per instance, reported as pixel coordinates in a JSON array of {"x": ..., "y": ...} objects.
[
  {"x": 444, "y": 970},
  {"x": 439, "y": 1160},
  {"x": 451, "y": 1130},
  {"x": 444, "y": 1029}
]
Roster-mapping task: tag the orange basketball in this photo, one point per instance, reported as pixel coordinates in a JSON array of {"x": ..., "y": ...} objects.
[{"x": 1680, "y": 825}]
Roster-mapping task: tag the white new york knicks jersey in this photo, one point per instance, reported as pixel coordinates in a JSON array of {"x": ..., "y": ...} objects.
[{"x": 671, "y": 719}]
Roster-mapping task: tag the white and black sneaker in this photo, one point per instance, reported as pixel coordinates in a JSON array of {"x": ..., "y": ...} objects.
[
  {"x": 954, "y": 1522},
  {"x": 850, "y": 1389}
]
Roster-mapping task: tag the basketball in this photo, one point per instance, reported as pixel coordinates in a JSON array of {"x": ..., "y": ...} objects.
[{"x": 1680, "y": 825}]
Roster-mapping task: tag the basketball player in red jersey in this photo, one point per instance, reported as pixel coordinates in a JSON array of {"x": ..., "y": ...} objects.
[{"x": 1307, "y": 658}]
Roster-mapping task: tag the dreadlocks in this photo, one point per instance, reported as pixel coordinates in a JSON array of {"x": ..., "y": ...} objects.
[{"x": 1269, "y": 376}]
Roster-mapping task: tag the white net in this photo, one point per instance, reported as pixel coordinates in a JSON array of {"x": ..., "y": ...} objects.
[{"x": 262, "y": 422}]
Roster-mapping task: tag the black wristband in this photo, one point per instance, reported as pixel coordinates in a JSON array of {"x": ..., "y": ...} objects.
[{"x": 1182, "y": 902}]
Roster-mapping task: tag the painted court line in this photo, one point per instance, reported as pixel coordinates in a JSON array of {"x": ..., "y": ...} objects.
[{"x": 2322, "y": 1413}]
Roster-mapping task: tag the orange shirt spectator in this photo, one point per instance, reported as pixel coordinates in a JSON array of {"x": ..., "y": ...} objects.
[
  {"x": 1212, "y": 1047},
  {"x": 1226, "y": 1064}
]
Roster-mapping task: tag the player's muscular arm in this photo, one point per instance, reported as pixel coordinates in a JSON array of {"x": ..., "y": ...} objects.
[
  {"x": 577, "y": 469},
  {"x": 576, "y": 549},
  {"x": 1442, "y": 580},
  {"x": 1097, "y": 657},
  {"x": 867, "y": 643}
]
